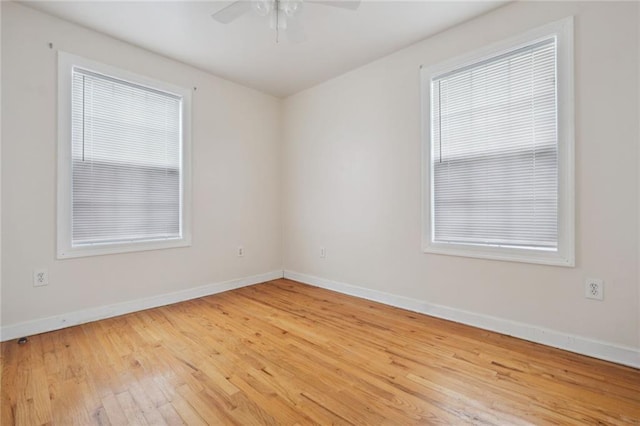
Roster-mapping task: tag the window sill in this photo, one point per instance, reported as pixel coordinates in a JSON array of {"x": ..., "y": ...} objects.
[
  {"x": 501, "y": 253},
  {"x": 104, "y": 249}
]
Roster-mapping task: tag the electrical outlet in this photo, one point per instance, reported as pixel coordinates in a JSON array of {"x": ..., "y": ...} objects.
[
  {"x": 240, "y": 251},
  {"x": 594, "y": 288},
  {"x": 323, "y": 252},
  {"x": 40, "y": 277}
]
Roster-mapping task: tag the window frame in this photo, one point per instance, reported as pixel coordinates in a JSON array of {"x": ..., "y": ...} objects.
[
  {"x": 65, "y": 249},
  {"x": 565, "y": 253}
]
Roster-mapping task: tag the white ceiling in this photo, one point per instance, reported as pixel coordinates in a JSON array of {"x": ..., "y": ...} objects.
[{"x": 245, "y": 51}]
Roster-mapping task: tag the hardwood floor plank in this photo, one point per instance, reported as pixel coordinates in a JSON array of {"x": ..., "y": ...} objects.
[
  {"x": 114, "y": 410},
  {"x": 188, "y": 413},
  {"x": 67, "y": 404},
  {"x": 287, "y": 353},
  {"x": 213, "y": 413},
  {"x": 149, "y": 410},
  {"x": 170, "y": 415},
  {"x": 131, "y": 410}
]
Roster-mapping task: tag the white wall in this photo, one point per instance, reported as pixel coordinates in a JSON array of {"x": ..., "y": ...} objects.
[
  {"x": 236, "y": 192},
  {"x": 638, "y": 172},
  {"x": 351, "y": 181},
  {"x": 0, "y": 172}
]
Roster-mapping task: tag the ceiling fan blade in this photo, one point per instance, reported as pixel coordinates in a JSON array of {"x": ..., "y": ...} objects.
[
  {"x": 295, "y": 32},
  {"x": 344, "y": 4},
  {"x": 232, "y": 12}
]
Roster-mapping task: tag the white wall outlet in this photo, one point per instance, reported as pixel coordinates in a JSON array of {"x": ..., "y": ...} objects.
[
  {"x": 40, "y": 277},
  {"x": 240, "y": 251},
  {"x": 323, "y": 252},
  {"x": 594, "y": 288}
]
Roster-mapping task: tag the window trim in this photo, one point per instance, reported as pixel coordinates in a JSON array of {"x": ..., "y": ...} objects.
[
  {"x": 65, "y": 249},
  {"x": 565, "y": 254}
]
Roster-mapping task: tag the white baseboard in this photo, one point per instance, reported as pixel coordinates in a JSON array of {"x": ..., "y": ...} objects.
[
  {"x": 578, "y": 344},
  {"x": 57, "y": 322}
]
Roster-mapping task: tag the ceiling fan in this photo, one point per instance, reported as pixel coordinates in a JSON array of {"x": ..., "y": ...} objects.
[{"x": 281, "y": 13}]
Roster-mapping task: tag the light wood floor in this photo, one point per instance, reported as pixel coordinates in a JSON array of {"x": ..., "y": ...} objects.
[{"x": 287, "y": 353}]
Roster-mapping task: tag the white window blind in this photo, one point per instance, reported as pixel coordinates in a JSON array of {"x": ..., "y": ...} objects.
[
  {"x": 494, "y": 151},
  {"x": 126, "y": 161}
]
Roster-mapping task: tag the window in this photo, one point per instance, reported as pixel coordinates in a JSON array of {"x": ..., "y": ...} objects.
[
  {"x": 123, "y": 178},
  {"x": 498, "y": 148}
]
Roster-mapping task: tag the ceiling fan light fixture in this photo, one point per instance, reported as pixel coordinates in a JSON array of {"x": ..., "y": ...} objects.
[
  {"x": 263, "y": 7},
  {"x": 291, "y": 7}
]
